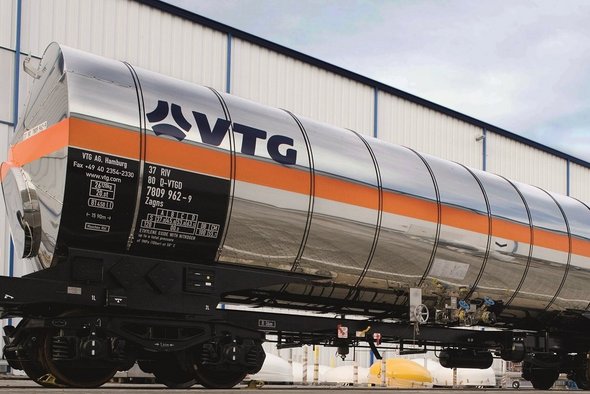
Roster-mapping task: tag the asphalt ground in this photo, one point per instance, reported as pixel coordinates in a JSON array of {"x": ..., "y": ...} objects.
[{"x": 23, "y": 386}]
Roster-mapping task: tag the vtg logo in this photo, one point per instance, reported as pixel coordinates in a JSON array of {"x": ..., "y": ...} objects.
[{"x": 216, "y": 135}]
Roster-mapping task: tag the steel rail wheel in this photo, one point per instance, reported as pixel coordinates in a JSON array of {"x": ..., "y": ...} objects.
[
  {"x": 218, "y": 379},
  {"x": 172, "y": 373},
  {"x": 73, "y": 376}
]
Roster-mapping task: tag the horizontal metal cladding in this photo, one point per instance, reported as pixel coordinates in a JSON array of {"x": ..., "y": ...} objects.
[
  {"x": 579, "y": 185},
  {"x": 151, "y": 37},
  {"x": 406, "y": 123},
  {"x": 526, "y": 164},
  {"x": 7, "y": 23},
  {"x": 6, "y": 85},
  {"x": 281, "y": 81}
]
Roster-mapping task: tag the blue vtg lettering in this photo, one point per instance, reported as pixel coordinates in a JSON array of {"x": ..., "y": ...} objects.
[{"x": 215, "y": 135}]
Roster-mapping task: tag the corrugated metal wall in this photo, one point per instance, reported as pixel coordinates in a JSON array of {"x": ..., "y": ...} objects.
[
  {"x": 580, "y": 182},
  {"x": 5, "y": 134},
  {"x": 274, "y": 79},
  {"x": 523, "y": 163},
  {"x": 7, "y": 23},
  {"x": 130, "y": 31},
  {"x": 7, "y": 42},
  {"x": 405, "y": 123},
  {"x": 6, "y": 84}
]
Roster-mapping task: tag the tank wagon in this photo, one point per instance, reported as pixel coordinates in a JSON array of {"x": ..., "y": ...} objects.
[{"x": 140, "y": 204}]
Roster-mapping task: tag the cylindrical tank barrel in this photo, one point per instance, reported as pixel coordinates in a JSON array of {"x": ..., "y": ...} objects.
[{"x": 118, "y": 159}]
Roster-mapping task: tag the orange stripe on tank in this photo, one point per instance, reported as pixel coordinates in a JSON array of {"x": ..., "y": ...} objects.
[
  {"x": 405, "y": 205},
  {"x": 112, "y": 140},
  {"x": 346, "y": 192},
  {"x": 580, "y": 247},
  {"x": 509, "y": 230},
  {"x": 42, "y": 144},
  {"x": 272, "y": 175},
  {"x": 467, "y": 220},
  {"x": 103, "y": 138},
  {"x": 188, "y": 157},
  {"x": 551, "y": 240}
]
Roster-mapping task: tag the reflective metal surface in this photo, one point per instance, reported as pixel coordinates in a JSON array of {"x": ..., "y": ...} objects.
[
  {"x": 271, "y": 202},
  {"x": 463, "y": 241},
  {"x": 344, "y": 215},
  {"x": 48, "y": 99},
  {"x": 410, "y": 216},
  {"x": 510, "y": 243},
  {"x": 550, "y": 250},
  {"x": 24, "y": 215},
  {"x": 149, "y": 165},
  {"x": 185, "y": 189},
  {"x": 574, "y": 295},
  {"x": 48, "y": 104}
]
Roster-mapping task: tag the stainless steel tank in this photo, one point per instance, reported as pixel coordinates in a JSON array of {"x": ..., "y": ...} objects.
[{"x": 115, "y": 158}]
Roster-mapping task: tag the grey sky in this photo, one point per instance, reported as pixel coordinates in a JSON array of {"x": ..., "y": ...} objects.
[{"x": 521, "y": 65}]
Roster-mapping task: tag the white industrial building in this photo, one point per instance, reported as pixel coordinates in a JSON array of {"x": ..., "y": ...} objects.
[{"x": 160, "y": 37}]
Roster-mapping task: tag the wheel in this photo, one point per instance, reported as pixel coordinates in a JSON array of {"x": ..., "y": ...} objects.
[
  {"x": 170, "y": 371},
  {"x": 174, "y": 379},
  {"x": 516, "y": 384},
  {"x": 33, "y": 363},
  {"x": 38, "y": 373},
  {"x": 73, "y": 375},
  {"x": 218, "y": 379},
  {"x": 543, "y": 379}
]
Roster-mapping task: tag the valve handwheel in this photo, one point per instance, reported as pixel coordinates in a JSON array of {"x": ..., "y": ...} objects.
[{"x": 421, "y": 313}]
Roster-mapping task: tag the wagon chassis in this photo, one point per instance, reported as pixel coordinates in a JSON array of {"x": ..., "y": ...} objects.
[{"x": 113, "y": 310}]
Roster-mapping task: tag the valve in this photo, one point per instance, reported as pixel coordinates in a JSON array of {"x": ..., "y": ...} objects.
[{"x": 421, "y": 313}]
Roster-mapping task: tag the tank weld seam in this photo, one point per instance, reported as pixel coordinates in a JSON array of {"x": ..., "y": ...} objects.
[
  {"x": 142, "y": 151},
  {"x": 531, "y": 243},
  {"x": 311, "y": 201},
  {"x": 232, "y": 174},
  {"x": 438, "y": 221},
  {"x": 569, "y": 254},
  {"x": 378, "y": 224},
  {"x": 489, "y": 241},
  {"x": 587, "y": 207}
]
